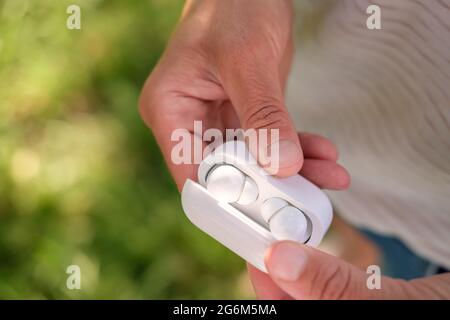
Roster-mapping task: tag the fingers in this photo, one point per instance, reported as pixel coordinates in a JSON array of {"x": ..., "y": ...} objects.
[
  {"x": 317, "y": 147},
  {"x": 306, "y": 273},
  {"x": 325, "y": 174},
  {"x": 254, "y": 88},
  {"x": 320, "y": 165}
]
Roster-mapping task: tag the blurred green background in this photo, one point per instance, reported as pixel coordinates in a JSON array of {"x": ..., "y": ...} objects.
[{"x": 82, "y": 180}]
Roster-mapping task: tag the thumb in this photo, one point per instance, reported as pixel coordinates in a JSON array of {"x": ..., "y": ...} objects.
[
  {"x": 254, "y": 88},
  {"x": 306, "y": 273}
]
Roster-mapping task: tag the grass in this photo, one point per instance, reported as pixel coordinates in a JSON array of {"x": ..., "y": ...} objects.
[{"x": 82, "y": 180}]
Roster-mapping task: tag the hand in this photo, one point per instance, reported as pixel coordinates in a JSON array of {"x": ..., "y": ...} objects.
[
  {"x": 227, "y": 65},
  {"x": 297, "y": 271}
]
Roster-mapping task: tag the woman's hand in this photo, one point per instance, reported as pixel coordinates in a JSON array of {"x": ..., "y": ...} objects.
[
  {"x": 226, "y": 65},
  {"x": 297, "y": 271}
]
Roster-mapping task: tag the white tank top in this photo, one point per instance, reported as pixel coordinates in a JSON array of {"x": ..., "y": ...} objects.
[{"x": 383, "y": 96}]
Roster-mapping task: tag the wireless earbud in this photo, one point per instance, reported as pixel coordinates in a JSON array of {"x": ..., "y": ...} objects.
[
  {"x": 286, "y": 222},
  {"x": 230, "y": 185},
  {"x": 236, "y": 202}
]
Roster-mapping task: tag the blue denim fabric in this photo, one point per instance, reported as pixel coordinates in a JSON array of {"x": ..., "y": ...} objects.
[{"x": 398, "y": 261}]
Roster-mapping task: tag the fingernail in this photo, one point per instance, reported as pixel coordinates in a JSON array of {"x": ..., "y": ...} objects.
[
  {"x": 286, "y": 261},
  {"x": 283, "y": 154}
]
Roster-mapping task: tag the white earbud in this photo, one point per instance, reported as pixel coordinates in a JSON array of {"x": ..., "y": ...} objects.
[
  {"x": 285, "y": 221},
  {"x": 246, "y": 210},
  {"x": 231, "y": 185}
]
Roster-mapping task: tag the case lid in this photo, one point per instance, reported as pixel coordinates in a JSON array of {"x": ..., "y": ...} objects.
[{"x": 226, "y": 224}]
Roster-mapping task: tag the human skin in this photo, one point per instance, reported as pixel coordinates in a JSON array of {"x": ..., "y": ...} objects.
[{"x": 227, "y": 64}]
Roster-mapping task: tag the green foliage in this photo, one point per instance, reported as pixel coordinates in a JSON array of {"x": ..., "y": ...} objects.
[{"x": 82, "y": 180}]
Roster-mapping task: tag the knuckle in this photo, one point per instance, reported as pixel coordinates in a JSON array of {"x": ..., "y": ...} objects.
[
  {"x": 333, "y": 284},
  {"x": 266, "y": 113}
]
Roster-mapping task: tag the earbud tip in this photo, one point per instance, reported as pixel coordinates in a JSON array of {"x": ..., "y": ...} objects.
[
  {"x": 289, "y": 224},
  {"x": 226, "y": 183}
]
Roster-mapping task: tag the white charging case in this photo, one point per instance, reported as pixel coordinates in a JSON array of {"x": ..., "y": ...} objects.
[{"x": 241, "y": 228}]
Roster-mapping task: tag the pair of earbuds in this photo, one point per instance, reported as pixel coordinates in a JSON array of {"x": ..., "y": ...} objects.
[{"x": 229, "y": 184}]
